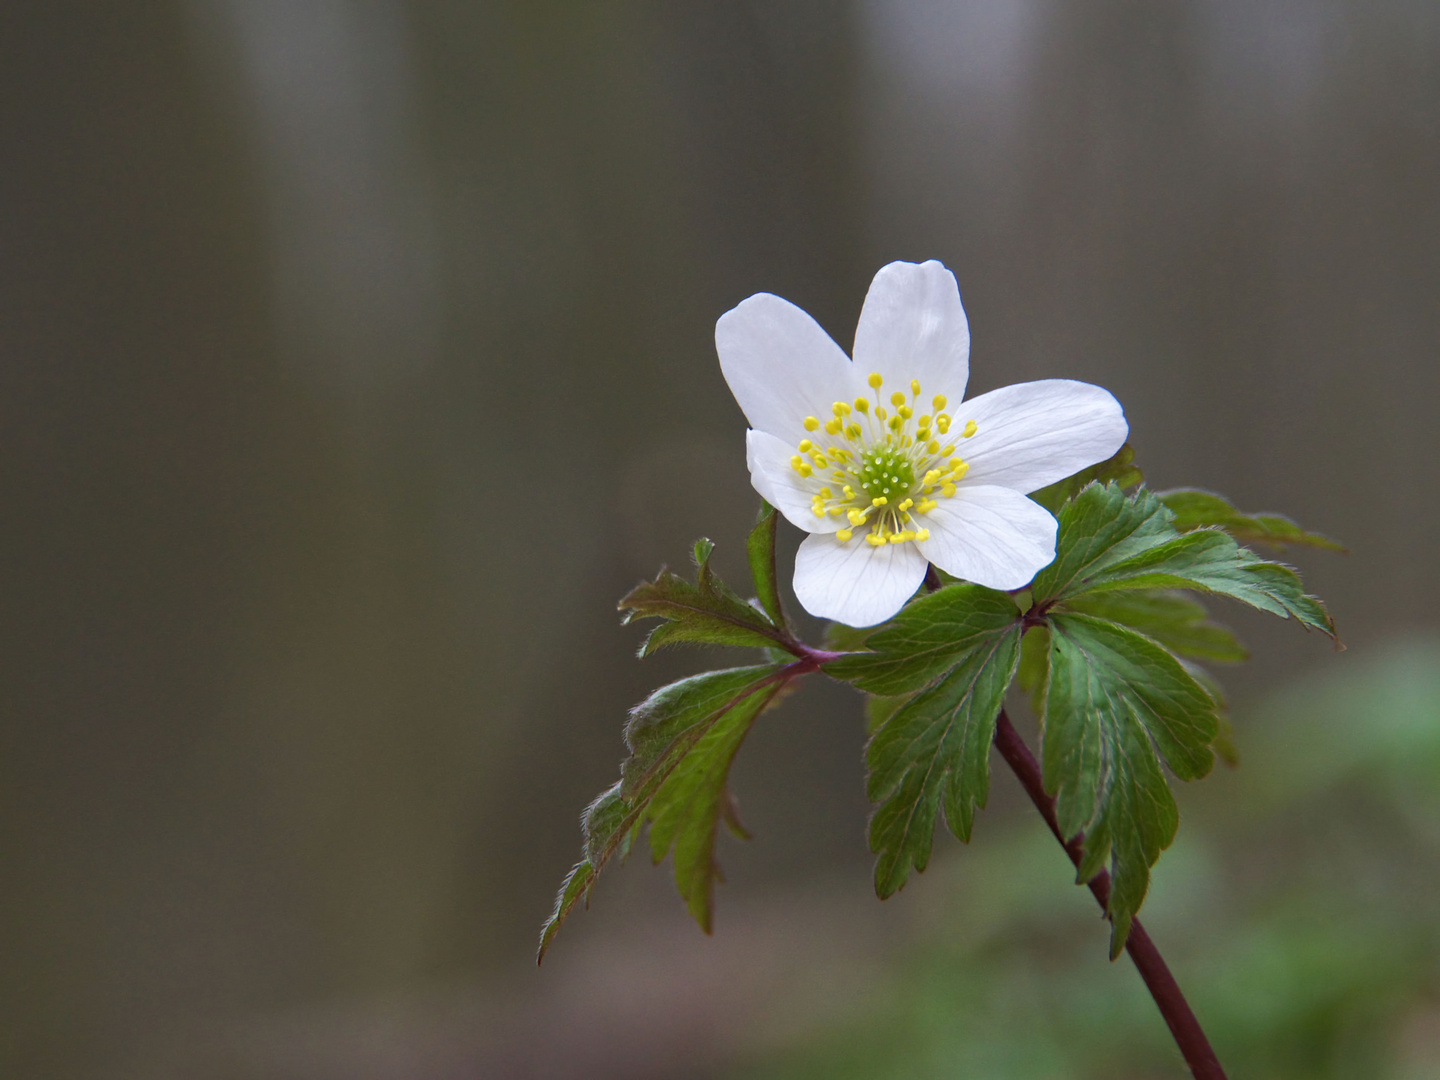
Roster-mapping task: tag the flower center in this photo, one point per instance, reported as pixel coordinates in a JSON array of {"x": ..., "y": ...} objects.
[{"x": 874, "y": 456}]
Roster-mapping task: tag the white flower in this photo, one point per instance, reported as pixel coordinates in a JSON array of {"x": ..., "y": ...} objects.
[{"x": 881, "y": 462}]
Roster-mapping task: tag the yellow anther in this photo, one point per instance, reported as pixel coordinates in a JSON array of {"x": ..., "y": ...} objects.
[
  {"x": 932, "y": 447},
  {"x": 923, "y": 534},
  {"x": 880, "y": 412},
  {"x": 879, "y": 500},
  {"x": 853, "y": 433},
  {"x": 931, "y": 475},
  {"x": 906, "y": 411},
  {"x": 875, "y": 380},
  {"x": 970, "y": 428},
  {"x": 836, "y": 511},
  {"x": 904, "y": 517},
  {"x": 874, "y": 539},
  {"x": 921, "y": 436},
  {"x": 805, "y": 445},
  {"x": 924, "y": 421},
  {"x": 818, "y": 511},
  {"x": 833, "y": 425},
  {"x": 837, "y": 475},
  {"x": 943, "y": 423},
  {"x": 960, "y": 470},
  {"x": 895, "y": 423},
  {"x": 818, "y": 458},
  {"x": 841, "y": 408},
  {"x": 925, "y": 506},
  {"x": 907, "y": 504},
  {"x": 825, "y": 493},
  {"x": 861, "y": 405},
  {"x": 804, "y": 468},
  {"x": 849, "y": 491},
  {"x": 948, "y": 490},
  {"x": 939, "y": 402},
  {"x": 843, "y": 535},
  {"x": 915, "y": 387},
  {"x": 796, "y": 462},
  {"x": 811, "y": 423},
  {"x": 947, "y": 451},
  {"x": 897, "y": 399},
  {"x": 899, "y": 537},
  {"x": 856, "y": 517}
]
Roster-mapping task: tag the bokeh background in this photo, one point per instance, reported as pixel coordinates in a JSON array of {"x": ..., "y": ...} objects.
[{"x": 355, "y": 357}]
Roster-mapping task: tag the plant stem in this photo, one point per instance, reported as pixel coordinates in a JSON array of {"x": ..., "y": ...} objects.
[{"x": 1158, "y": 980}]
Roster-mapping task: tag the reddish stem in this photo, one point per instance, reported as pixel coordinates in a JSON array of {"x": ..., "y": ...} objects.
[{"x": 1161, "y": 984}]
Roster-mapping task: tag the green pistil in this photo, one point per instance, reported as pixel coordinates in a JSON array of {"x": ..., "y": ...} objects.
[{"x": 885, "y": 473}]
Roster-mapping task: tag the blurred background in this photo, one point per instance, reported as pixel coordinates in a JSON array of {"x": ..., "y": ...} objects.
[{"x": 358, "y": 356}]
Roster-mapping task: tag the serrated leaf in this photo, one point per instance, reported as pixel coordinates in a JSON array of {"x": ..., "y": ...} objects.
[
  {"x": 576, "y": 886},
  {"x": 682, "y": 739},
  {"x": 936, "y": 747},
  {"x": 705, "y": 613},
  {"x": 1174, "y": 620},
  {"x": 1119, "y": 468},
  {"x": 692, "y": 798},
  {"x": 929, "y": 636},
  {"x": 1195, "y": 509},
  {"x": 1108, "y": 540},
  {"x": 1114, "y": 699},
  {"x": 760, "y": 547}
]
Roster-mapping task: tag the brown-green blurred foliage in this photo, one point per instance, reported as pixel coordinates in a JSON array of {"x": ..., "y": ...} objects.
[{"x": 355, "y": 357}]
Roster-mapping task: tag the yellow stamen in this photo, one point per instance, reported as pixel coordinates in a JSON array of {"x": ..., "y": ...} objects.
[
  {"x": 853, "y": 433},
  {"x": 880, "y": 412},
  {"x": 915, "y": 387},
  {"x": 923, "y": 534},
  {"x": 849, "y": 491},
  {"x": 906, "y": 411},
  {"x": 943, "y": 423},
  {"x": 948, "y": 490},
  {"x": 861, "y": 405},
  {"x": 925, "y": 506},
  {"x": 970, "y": 428},
  {"x": 939, "y": 402},
  {"x": 819, "y": 458},
  {"x": 833, "y": 425},
  {"x": 811, "y": 423},
  {"x": 947, "y": 451},
  {"x": 856, "y": 517},
  {"x": 960, "y": 470},
  {"x": 907, "y": 504},
  {"x": 818, "y": 511},
  {"x": 836, "y": 511},
  {"x": 843, "y": 535},
  {"x": 895, "y": 423},
  {"x": 825, "y": 493},
  {"x": 804, "y": 468},
  {"x": 805, "y": 445},
  {"x": 897, "y": 399},
  {"x": 875, "y": 380},
  {"x": 879, "y": 500}
]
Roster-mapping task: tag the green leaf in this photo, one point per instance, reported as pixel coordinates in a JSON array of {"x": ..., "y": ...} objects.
[
  {"x": 1108, "y": 540},
  {"x": 1194, "y": 509},
  {"x": 682, "y": 739},
  {"x": 1120, "y": 468},
  {"x": 937, "y": 746},
  {"x": 1034, "y": 666},
  {"x": 576, "y": 886},
  {"x": 879, "y": 708},
  {"x": 760, "y": 547},
  {"x": 706, "y": 613},
  {"x": 1113, "y": 700},
  {"x": 1174, "y": 620},
  {"x": 929, "y": 636}
]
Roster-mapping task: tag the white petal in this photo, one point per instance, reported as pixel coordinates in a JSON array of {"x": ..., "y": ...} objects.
[
  {"x": 913, "y": 327},
  {"x": 855, "y": 583},
  {"x": 781, "y": 366},
  {"x": 782, "y": 487},
  {"x": 993, "y": 536},
  {"x": 1032, "y": 434}
]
